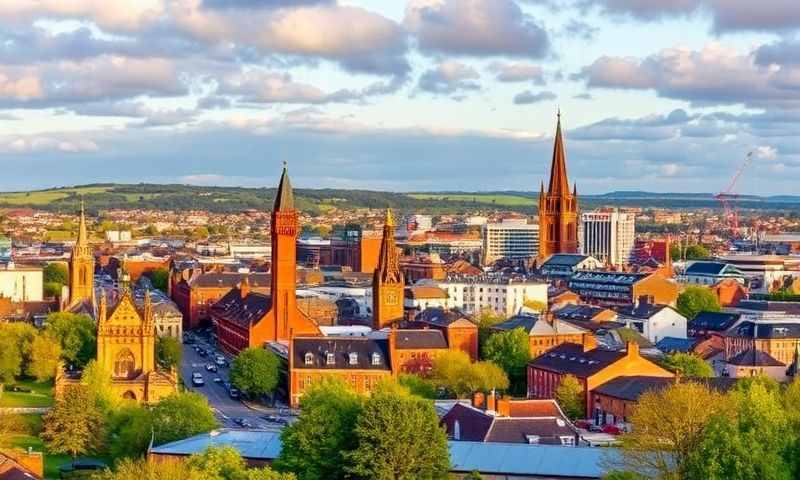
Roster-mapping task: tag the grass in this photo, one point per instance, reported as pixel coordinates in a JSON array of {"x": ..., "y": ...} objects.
[
  {"x": 41, "y": 395},
  {"x": 489, "y": 199},
  {"x": 44, "y": 197}
]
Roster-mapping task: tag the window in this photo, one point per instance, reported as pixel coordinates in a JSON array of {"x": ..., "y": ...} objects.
[
  {"x": 124, "y": 364},
  {"x": 456, "y": 431},
  {"x": 376, "y": 358},
  {"x": 309, "y": 358},
  {"x": 353, "y": 358},
  {"x": 330, "y": 359}
]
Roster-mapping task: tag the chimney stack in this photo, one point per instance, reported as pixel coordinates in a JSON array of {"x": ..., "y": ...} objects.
[
  {"x": 632, "y": 349},
  {"x": 491, "y": 401},
  {"x": 479, "y": 400}
]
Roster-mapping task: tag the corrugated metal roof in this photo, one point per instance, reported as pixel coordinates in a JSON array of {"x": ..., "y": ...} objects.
[
  {"x": 251, "y": 444},
  {"x": 523, "y": 459}
]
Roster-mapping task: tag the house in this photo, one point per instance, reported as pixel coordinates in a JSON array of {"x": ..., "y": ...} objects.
[
  {"x": 729, "y": 292},
  {"x": 653, "y": 321},
  {"x": 545, "y": 331},
  {"x": 504, "y": 420},
  {"x": 711, "y": 323},
  {"x": 460, "y": 331},
  {"x": 621, "y": 288},
  {"x": 592, "y": 367},
  {"x": 707, "y": 273},
  {"x": 776, "y": 335},
  {"x": 17, "y": 464},
  {"x": 563, "y": 265},
  {"x": 420, "y": 297},
  {"x": 752, "y": 362}
]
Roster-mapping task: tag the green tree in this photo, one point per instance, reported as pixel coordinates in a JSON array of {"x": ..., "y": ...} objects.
[
  {"x": 55, "y": 272},
  {"x": 160, "y": 279},
  {"x": 255, "y": 371},
  {"x": 75, "y": 333},
  {"x": 398, "y": 437},
  {"x": 142, "y": 469},
  {"x": 454, "y": 372},
  {"x": 486, "y": 320},
  {"x": 45, "y": 355},
  {"x": 511, "y": 351},
  {"x": 314, "y": 447},
  {"x": 693, "y": 300},
  {"x": 130, "y": 430},
  {"x": 569, "y": 395},
  {"x": 21, "y": 335},
  {"x": 687, "y": 364},
  {"x": 75, "y": 425},
  {"x": 473, "y": 475},
  {"x": 97, "y": 381},
  {"x": 417, "y": 385},
  {"x": 151, "y": 231},
  {"x": 10, "y": 358},
  {"x": 168, "y": 352},
  {"x": 182, "y": 415},
  {"x": 697, "y": 252},
  {"x": 10, "y": 424}
]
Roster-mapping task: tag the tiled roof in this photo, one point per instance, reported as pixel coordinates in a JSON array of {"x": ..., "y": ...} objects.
[
  {"x": 424, "y": 291},
  {"x": 631, "y": 388},
  {"x": 244, "y": 311},
  {"x": 751, "y": 329},
  {"x": 316, "y": 349},
  {"x": 755, "y": 358},
  {"x": 713, "y": 321},
  {"x": 473, "y": 424},
  {"x": 533, "y": 408},
  {"x": 540, "y": 418},
  {"x": 420, "y": 339},
  {"x": 517, "y": 430},
  {"x": 569, "y": 358},
  {"x": 578, "y": 312}
]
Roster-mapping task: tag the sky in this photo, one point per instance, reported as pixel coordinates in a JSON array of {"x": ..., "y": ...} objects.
[{"x": 401, "y": 95}]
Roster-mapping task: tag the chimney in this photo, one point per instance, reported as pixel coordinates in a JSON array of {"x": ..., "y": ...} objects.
[
  {"x": 632, "y": 349},
  {"x": 589, "y": 342},
  {"x": 491, "y": 402},
  {"x": 244, "y": 286},
  {"x": 479, "y": 400},
  {"x": 504, "y": 407}
]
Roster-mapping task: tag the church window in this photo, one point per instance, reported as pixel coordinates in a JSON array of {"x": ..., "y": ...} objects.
[
  {"x": 353, "y": 358},
  {"x": 124, "y": 364},
  {"x": 309, "y": 358},
  {"x": 330, "y": 359}
]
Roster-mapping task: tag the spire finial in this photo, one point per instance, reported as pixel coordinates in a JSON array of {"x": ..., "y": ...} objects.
[
  {"x": 389, "y": 218},
  {"x": 285, "y": 164}
]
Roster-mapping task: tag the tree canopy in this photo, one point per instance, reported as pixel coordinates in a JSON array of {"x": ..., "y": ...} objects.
[
  {"x": 569, "y": 395},
  {"x": 75, "y": 425},
  {"x": 160, "y": 279},
  {"x": 454, "y": 372},
  {"x": 511, "y": 351},
  {"x": 687, "y": 364},
  {"x": 45, "y": 355},
  {"x": 182, "y": 415},
  {"x": 255, "y": 371},
  {"x": 168, "y": 352},
  {"x": 76, "y": 334},
  {"x": 693, "y": 300}
]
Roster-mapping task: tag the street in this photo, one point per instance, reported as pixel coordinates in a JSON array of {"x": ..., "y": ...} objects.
[{"x": 225, "y": 408}]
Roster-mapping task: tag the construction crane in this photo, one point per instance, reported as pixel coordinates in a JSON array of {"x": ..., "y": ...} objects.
[{"x": 728, "y": 199}]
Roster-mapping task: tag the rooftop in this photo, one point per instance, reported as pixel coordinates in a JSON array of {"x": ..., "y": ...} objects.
[
  {"x": 251, "y": 444},
  {"x": 569, "y": 358}
]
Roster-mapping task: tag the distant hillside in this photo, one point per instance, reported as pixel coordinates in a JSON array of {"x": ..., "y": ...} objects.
[{"x": 232, "y": 199}]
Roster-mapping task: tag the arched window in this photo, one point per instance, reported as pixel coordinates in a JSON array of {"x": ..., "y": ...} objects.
[
  {"x": 129, "y": 395},
  {"x": 124, "y": 364}
]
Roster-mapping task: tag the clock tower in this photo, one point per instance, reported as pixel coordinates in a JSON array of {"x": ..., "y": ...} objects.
[{"x": 387, "y": 281}]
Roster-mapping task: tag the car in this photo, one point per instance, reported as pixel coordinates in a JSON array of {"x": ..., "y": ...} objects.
[
  {"x": 271, "y": 418},
  {"x": 243, "y": 422},
  {"x": 211, "y": 367},
  {"x": 217, "y": 380},
  {"x": 233, "y": 392},
  {"x": 202, "y": 352},
  {"x": 197, "y": 380},
  {"x": 220, "y": 361}
]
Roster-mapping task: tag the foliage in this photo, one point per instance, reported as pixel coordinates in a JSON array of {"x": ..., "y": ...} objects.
[
  {"x": 511, "y": 351},
  {"x": 160, "y": 279},
  {"x": 691, "y": 252},
  {"x": 687, "y": 364},
  {"x": 693, "y": 300},
  {"x": 55, "y": 272},
  {"x": 486, "y": 320},
  {"x": 182, "y": 415},
  {"x": 130, "y": 430},
  {"x": 98, "y": 382},
  {"x": 417, "y": 385},
  {"x": 168, "y": 352},
  {"x": 783, "y": 295},
  {"x": 52, "y": 289},
  {"x": 315, "y": 446},
  {"x": 667, "y": 427},
  {"x": 75, "y": 426},
  {"x": 10, "y": 424},
  {"x": 569, "y": 395},
  {"x": 473, "y": 475},
  {"x": 454, "y": 372},
  {"x": 75, "y": 333},
  {"x": 10, "y": 358},
  {"x": 255, "y": 371},
  {"x": 19, "y": 338},
  {"x": 45, "y": 355},
  {"x": 398, "y": 437}
]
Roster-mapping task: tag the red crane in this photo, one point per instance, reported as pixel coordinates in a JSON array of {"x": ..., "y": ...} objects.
[{"x": 728, "y": 198}]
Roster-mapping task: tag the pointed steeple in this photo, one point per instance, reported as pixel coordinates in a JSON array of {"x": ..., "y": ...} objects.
[
  {"x": 83, "y": 238},
  {"x": 389, "y": 218},
  {"x": 284, "y": 197},
  {"x": 559, "y": 185},
  {"x": 388, "y": 262}
]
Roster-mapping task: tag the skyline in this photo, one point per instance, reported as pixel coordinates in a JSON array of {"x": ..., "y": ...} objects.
[{"x": 399, "y": 96}]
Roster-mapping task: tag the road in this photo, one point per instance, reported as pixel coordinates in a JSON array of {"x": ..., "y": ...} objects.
[{"x": 225, "y": 408}]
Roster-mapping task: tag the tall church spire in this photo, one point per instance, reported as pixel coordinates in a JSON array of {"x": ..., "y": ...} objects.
[
  {"x": 559, "y": 184},
  {"x": 387, "y": 281},
  {"x": 82, "y": 239},
  {"x": 81, "y": 265},
  {"x": 284, "y": 197}
]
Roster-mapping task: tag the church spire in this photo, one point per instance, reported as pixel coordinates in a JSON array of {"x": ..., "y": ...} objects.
[
  {"x": 558, "y": 170},
  {"x": 388, "y": 263},
  {"x": 284, "y": 197},
  {"x": 387, "y": 281},
  {"x": 83, "y": 238}
]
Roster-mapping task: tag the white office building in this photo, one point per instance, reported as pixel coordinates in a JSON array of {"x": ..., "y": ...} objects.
[
  {"x": 608, "y": 236},
  {"x": 512, "y": 239},
  {"x": 504, "y": 297}
]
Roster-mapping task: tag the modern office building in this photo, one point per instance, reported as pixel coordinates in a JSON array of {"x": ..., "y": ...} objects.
[
  {"x": 512, "y": 239},
  {"x": 608, "y": 236}
]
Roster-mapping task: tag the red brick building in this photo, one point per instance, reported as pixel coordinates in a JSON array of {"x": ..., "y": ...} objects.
[
  {"x": 422, "y": 267},
  {"x": 196, "y": 292}
]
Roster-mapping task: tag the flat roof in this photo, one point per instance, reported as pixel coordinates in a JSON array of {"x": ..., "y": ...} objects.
[{"x": 251, "y": 444}]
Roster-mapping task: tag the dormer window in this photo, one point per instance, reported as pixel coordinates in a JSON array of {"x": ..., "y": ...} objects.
[
  {"x": 309, "y": 358},
  {"x": 330, "y": 359},
  {"x": 353, "y": 358},
  {"x": 376, "y": 358}
]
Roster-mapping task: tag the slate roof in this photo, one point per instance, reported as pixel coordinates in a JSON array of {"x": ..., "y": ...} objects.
[
  {"x": 705, "y": 268},
  {"x": 713, "y": 321},
  {"x": 516, "y": 430},
  {"x": 439, "y": 317},
  {"x": 230, "y": 280},
  {"x": 542, "y": 419},
  {"x": 420, "y": 339},
  {"x": 569, "y": 358},
  {"x": 243, "y": 311},
  {"x": 341, "y": 347},
  {"x": 538, "y": 325},
  {"x": 631, "y": 388},
  {"x": 578, "y": 312},
  {"x": 674, "y": 344},
  {"x": 755, "y": 358},
  {"x": 768, "y": 306},
  {"x": 564, "y": 260},
  {"x": 751, "y": 329}
]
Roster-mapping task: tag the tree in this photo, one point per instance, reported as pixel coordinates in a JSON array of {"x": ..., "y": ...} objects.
[
  {"x": 75, "y": 333},
  {"x": 21, "y": 335},
  {"x": 486, "y": 320},
  {"x": 10, "y": 424},
  {"x": 160, "y": 279},
  {"x": 511, "y": 351},
  {"x": 75, "y": 425},
  {"x": 688, "y": 365},
  {"x": 182, "y": 415},
  {"x": 10, "y": 358},
  {"x": 569, "y": 395},
  {"x": 454, "y": 372},
  {"x": 667, "y": 427},
  {"x": 398, "y": 437},
  {"x": 54, "y": 276},
  {"x": 130, "y": 430},
  {"x": 142, "y": 469},
  {"x": 255, "y": 371},
  {"x": 45, "y": 355},
  {"x": 314, "y": 447},
  {"x": 417, "y": 385},
  {"x": 694, "y": 300},
  {"x": 97, "y": 381},
  {"x": 168, "y": 352}
]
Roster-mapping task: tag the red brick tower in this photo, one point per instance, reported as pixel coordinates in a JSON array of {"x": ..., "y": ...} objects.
[
  {"x": 558, "y": 208},
  {"x": 387, "y": 281}
]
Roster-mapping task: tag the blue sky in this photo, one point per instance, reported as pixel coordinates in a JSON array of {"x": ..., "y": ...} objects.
[{"x": 663, "y": 95}]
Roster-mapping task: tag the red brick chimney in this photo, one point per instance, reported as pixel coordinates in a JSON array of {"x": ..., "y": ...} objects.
[
  {"x": 479, "y": 400},
  {"x": 491, "y": 402}
]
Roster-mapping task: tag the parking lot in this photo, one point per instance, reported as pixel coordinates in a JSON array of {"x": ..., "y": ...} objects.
[{"x": 231, "y": 412}]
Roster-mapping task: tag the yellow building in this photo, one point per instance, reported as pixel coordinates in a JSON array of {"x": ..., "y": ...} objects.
[{"x": 81, "y": 270}]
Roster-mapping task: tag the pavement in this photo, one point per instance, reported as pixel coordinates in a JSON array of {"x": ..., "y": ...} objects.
[{"x": 225, "y": 408}]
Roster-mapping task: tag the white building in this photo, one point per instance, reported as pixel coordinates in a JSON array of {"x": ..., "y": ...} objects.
[
  {"x": 608, "y": 236},
  {"x": 115, "y": 236},
  {"x": 701, "y": 272},
  {"x": 765, "y": 273},
  {"x": 654, "y": 322},
  {"x": 249, "y": 251},
  {"x": 502, "y": 297},
  {"x": 422, "y": 223},
  {"x": 21, "y": 284},
  {"x": 512, "y": 239}
]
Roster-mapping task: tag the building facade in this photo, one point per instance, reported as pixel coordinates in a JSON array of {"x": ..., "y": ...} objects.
[
  {"x": 558, "y": 208},
  {"x": 21, "y": 284},
  {"x": 620, "y": 289},
  {"x": 387, "y": 281},
  {"x": 355, "y": 247},
  {"x": 196, "y": 292},
  {"x": 608, "y": 236},
  {"x": 512, "y": 239},
  {"x": 504, "y": 297}
]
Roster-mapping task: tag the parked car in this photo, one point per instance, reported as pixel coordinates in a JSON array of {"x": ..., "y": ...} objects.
[
  {"x": 233, "y": 392},
  {"x": 197, "y": 380},
  {"x": 243, "y": 422},
  {"x": 220, "y": 361},
  {"x": 211, "y": 367},
  {"x": 217, "y": 380}
]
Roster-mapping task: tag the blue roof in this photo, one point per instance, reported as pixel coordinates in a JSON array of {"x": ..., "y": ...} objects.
[
  {"x": 251, "y": 444},
  {"x": 674, "y": 344},
  {"x": 524, "y": 459}
]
